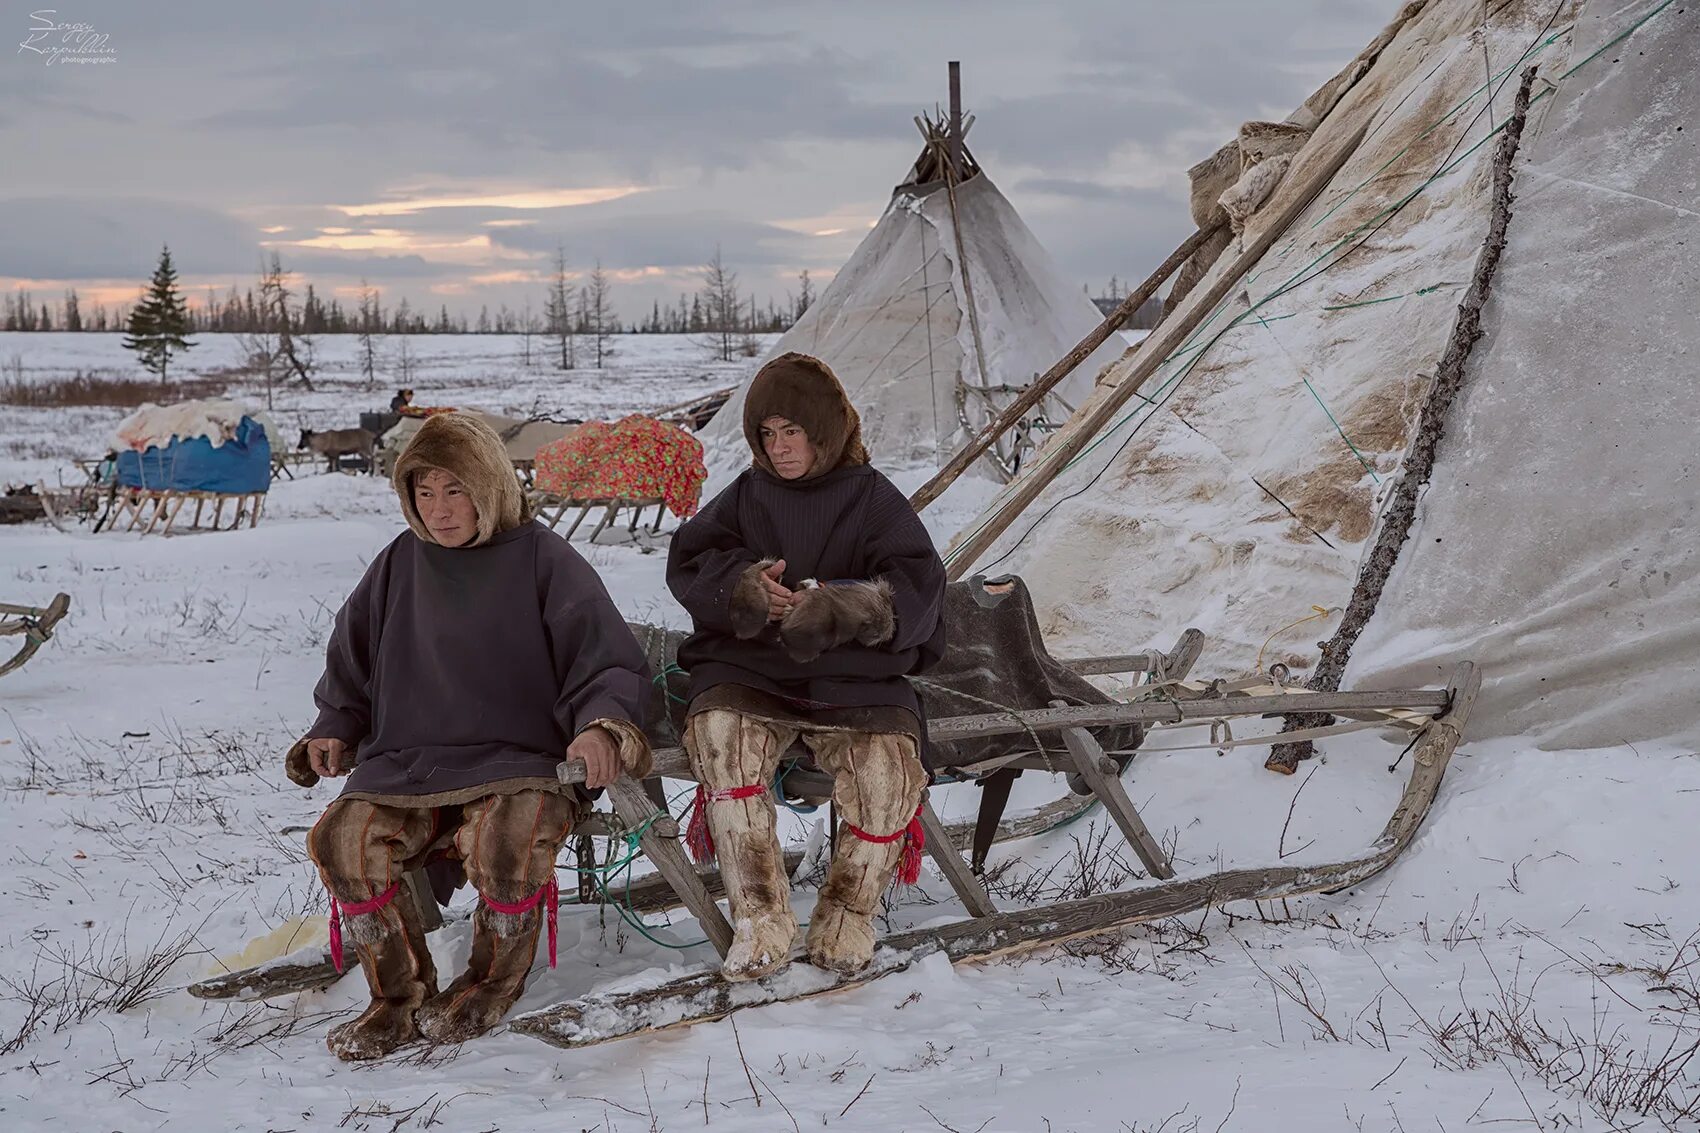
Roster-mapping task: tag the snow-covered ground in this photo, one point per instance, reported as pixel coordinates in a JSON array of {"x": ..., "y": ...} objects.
[{"x": 1523, "y": 964}]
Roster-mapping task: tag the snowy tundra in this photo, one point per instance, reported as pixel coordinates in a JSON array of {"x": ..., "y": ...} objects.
[{"x": 1533, "y": 960}]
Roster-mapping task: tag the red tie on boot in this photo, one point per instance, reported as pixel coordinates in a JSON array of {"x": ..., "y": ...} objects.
[
  {"x": 354, "y": 910},
  {"x": 552, "y": 892},
  {"x": 698, "y": 838},
  {"x": 914, "y": 841}
]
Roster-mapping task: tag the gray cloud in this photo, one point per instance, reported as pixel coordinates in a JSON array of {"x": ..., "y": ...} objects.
[
  {"x": 114, "y": 237},
  {"x": 746, "y": 117},
  {"x": 669, "y": 240}
]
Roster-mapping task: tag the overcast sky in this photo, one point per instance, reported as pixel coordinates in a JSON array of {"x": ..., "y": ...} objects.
[{"x": 442, "y": 150}]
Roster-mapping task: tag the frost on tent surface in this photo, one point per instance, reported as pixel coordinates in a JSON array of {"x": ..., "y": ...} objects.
[
  {"x": 1559, "y": 539},
  {"x": 1236, "y": 491}
]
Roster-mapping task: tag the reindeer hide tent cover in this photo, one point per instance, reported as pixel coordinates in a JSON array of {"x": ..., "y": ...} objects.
[{"x": 1558, "y": 542}]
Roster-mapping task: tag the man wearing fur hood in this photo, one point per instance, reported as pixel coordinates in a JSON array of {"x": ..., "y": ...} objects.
[
  {"x": 814, "y": 591},
  {"x": 477, "y": 651}
]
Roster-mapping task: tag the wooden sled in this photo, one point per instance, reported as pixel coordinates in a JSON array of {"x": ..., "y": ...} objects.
[
  {"x": 550, "y": 508},
  {"x": 705, "y": 996},
  {"x": 660, "y": 841},
  {"x": 147, "y": 507},
  {"x": 34, "y": 624}
]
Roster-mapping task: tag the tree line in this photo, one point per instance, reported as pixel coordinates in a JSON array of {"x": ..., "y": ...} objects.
[
  {"x": 244, "y": 310},
  {"x": 277, "y": 327}
]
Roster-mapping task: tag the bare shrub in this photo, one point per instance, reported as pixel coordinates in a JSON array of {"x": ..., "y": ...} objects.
[
  {"x": 67, "y": 985},
  {"x": 1613, "y": 1072},
  {"x": 103, "y": 389},
  {"x": 1095, "y": 865}
]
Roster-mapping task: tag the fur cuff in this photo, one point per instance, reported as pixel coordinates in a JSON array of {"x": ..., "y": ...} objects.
[
  {"x": 367, "y": 928},
  {"x": 830, "y": 616},
  {"x": 635, "y": 755},
  {"x": 749, "y": 601},
  {"x": 298, "y": 767},
  {"x": 507, "y": 925}
]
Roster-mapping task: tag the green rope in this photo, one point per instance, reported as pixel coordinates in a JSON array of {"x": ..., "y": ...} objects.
[
  {"x": 1335, "y": 421},
  {"x": 660, "y": 681},
  {"x": 1390, "y": 298}
]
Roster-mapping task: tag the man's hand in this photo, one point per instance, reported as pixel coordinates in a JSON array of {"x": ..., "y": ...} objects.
[
  {"x": 329, "y": 758},
  {"x": 779, "y": 599},
  {"x": 600, "y": 753}
]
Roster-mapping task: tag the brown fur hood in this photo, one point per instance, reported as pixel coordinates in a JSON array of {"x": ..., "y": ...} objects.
[
  {"x": 470, "y": 451},
  {"x": 804, "y": 390}
]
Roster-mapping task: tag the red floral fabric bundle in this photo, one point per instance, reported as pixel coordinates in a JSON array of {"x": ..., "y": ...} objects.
[{"x": 637, "y": 458}]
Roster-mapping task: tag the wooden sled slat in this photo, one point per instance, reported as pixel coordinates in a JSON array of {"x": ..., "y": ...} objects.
[
  {"x": 703, "y": 996},
  {"x": 35, "y": 624}
]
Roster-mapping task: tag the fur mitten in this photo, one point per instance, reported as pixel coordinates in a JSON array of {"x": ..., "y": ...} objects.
[
  {"x": 297, "y": 766},
  {"x": 749, "y": 601},
  {"x": 829, "y": 616}
]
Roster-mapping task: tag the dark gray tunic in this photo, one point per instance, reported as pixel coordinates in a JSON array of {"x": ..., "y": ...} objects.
[
  {"x": 851, "y": 523},
  {"x": 459, "y": 668}
]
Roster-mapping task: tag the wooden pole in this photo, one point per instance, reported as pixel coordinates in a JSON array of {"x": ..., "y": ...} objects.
[
  {"x": 1400, "y": 511},
  {"x": 668, "y": 857},
  {"x": 953, "y": 174},
  {"x": 956, "y": 118},
  {"x": 1050, "y": 379},
  {"x": 671, "y": 763},
  {"x": 1094, "y": 416},
  {"x": 1087, "y": 756}
]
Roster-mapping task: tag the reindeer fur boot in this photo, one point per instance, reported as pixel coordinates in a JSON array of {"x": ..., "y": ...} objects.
[
  {"x": 503, "y": 947},
  {"x": 878, "y": 780},
  {"x": 733, "y": 755},
  {"x": 508, "y": 844},
  {"x": 362, "y": 871},
  {"x": 391, "y": 945}
]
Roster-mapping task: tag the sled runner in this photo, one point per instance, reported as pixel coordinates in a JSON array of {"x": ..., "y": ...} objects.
[{"x": 34, "y": 624}]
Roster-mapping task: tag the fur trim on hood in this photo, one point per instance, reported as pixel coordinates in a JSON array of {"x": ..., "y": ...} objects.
[
  {"x": 804, "y": 390},
  {"x": 470, "y": 451}
]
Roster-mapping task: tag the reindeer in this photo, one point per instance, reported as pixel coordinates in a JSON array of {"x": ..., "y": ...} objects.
[{"x": 335, "y": 443}]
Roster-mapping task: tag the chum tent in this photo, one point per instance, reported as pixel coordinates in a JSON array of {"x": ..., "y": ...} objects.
[
  {"x": 1558, "y": 539},
  {"x": 894, "y": 324}
]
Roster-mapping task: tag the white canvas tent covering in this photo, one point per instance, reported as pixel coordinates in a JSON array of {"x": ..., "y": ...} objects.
[
  {"x": 1558, "y": 543},
  {"x": 894, "y": 327}
]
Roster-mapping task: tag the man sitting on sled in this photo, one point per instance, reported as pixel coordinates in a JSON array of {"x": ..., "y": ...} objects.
[
  {"x": 814, "y": 590},
  {"x": 477, "y": 651}
]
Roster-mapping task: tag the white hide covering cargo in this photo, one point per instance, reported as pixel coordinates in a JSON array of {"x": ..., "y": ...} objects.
[
  {"x": 1559, "y": 542},
  {"x": 156, "y": 426}
]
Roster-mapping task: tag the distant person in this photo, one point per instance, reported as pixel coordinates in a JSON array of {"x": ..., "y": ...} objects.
[
  {"x": 402, "y": 401},
  {"x": 478, "y": 651}
]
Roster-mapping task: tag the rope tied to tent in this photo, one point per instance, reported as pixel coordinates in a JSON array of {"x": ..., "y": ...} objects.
[{"x": 1321, "y": 612}]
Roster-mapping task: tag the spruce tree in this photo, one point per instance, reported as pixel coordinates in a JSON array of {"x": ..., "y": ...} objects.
[{"x": 160, "y": 320}]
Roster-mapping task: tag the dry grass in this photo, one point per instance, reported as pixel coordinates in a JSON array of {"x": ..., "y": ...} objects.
[{"x": 103, "y": 389}]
